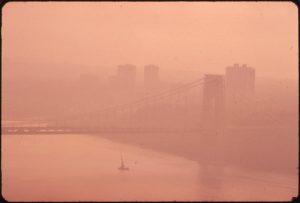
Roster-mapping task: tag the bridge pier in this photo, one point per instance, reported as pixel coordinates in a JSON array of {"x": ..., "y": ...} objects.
[{"x": 213, "y": 106}]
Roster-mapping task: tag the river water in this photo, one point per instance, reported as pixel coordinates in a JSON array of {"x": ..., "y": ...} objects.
[{"x": 85, "y": 168}]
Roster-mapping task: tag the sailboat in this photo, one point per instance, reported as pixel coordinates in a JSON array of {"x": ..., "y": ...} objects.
[{"x": 123, "y": 167}]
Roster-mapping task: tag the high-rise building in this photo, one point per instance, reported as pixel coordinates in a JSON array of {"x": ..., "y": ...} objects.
[
  {"x": 151, "y": 77},
  {"x": 126, "y": 76},
  {"x": 240, "y": 81},
  {"x": 240, "y": 86}
]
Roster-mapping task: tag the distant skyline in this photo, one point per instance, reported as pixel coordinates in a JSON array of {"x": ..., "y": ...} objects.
[{"x": 202, "y": 36}]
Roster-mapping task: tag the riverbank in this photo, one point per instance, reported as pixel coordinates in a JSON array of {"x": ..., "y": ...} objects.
[{"x": 264, "y": 149}]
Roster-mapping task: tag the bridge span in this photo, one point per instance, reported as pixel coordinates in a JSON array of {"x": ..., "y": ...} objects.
[
  {"x": 152, "y": 113},
  {"x": 89, "y": 130}
]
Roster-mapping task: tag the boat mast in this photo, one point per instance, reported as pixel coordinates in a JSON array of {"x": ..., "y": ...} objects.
[{"x": 122, "y": 162}]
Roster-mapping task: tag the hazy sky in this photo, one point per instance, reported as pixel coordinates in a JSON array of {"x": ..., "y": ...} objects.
[{"x": 206, "y": 36}]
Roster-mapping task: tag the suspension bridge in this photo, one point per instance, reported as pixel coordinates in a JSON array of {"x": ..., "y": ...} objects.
[{"x": 171, "y": 110}]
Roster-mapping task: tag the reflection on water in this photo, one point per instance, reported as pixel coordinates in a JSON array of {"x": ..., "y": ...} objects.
[{"x": 82, "y": 167}]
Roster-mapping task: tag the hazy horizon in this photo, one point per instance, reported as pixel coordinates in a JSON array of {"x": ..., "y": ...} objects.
[{"x": 210, "y": 36}]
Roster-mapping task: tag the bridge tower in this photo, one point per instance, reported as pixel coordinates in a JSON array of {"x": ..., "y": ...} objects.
[{"x": 213, "y": 106}]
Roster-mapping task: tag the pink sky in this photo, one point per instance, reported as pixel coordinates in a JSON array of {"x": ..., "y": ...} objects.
[{"x": 204, "y": 36}]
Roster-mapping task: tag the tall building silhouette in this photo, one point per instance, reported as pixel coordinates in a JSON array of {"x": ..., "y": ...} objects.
[
  {"x": 151, "y": 77},
  {"x": 240, "y": 81},
  {"x": 240, "y": 87}
]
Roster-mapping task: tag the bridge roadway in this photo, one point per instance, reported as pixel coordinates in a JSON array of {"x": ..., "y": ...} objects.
[{"x": 76, "y": 130}]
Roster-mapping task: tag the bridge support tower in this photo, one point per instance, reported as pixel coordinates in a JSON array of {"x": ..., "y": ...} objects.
[{"x": 213, "y": 106}]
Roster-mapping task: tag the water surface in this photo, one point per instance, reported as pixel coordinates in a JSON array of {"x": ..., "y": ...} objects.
[{"x": 83, "y": 167}]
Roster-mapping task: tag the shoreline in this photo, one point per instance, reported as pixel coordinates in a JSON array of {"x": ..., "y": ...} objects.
[{"x": 250, "y": 151}]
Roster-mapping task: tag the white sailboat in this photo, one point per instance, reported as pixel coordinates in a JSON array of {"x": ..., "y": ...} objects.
[{"x": 123, "y": 167}]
